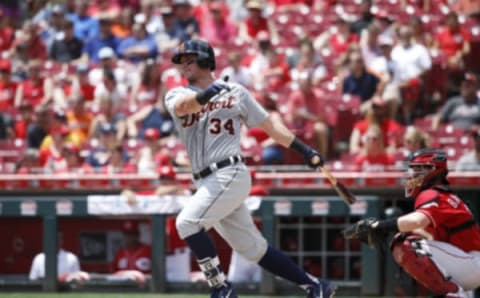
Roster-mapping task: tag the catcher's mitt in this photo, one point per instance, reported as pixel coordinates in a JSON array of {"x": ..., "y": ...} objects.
[{"x": 363, "y": 231}]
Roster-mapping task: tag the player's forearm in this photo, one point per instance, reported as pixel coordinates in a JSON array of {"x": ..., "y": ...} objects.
[
  {"x": 187, "y": 105},
  {"x": 278, "y": 131},
  {"x": 413, "y": 221}
]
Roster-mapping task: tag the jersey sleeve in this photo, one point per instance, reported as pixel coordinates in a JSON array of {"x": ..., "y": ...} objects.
[
  {"x": 427, "y": 202},
  {"x": 251, "y": 111},
  {"x": 171, "y": 97}
]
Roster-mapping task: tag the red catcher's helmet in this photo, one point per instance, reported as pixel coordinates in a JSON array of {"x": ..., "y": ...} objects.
[{"x": 425, "y": 168}]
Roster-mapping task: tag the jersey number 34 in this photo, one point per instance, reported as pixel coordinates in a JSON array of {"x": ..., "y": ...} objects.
[{"x": 216, "y": 126}]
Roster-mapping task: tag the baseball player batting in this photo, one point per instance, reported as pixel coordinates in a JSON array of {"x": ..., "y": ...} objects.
[
  {"x": 208, "y": 114},
  {"x": 438, "y": 244}
]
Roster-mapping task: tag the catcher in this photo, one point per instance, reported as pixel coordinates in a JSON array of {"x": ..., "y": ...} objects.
[{"x": 438, "y": 244}]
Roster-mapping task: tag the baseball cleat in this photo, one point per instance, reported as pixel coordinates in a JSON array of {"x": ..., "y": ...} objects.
[
  {"x": 225, "y": 291},
  {"x": 323, "y": 289}
]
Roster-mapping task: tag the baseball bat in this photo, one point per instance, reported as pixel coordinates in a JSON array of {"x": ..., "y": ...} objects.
[{"x": 341, "y": 189}]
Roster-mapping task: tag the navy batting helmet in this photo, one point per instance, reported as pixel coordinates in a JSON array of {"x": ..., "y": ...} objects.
[{"x": 204, "y": 52}]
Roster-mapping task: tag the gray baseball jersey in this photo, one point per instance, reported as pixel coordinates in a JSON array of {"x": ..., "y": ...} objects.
[{"x": 213, "y": 134}]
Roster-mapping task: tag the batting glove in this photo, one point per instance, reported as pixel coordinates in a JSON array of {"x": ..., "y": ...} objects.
[
  {"x": 216, "y": 87},
  {"x": 311, "y": 159}
]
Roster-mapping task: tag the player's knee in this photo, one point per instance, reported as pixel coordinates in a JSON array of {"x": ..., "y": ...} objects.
[
  {"x": 255, "y": 251},
  {"x": 186, "y": 227}
]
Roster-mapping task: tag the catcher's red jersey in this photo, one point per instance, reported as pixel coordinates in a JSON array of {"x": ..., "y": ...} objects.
[
  {"x": 451, "y": 219},
  {"x": 133, "y": 259}
]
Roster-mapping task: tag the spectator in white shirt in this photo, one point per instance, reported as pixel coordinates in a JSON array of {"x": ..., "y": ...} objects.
[
  {"x": 68, "y": 266},
  {"x": 413, "y": 61}
]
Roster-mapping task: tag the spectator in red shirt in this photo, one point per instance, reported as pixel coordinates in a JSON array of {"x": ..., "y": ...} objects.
[
  {"x": 373, "y": 157},
  {"x": 23, "y": 120},
  {"x": 377, "y": 114},
  {"x": 255, "y": 23},
  {"x": 36, "y": 89},
  {"x": 6, "y": 33},
  {"x": 134, "y": 256},
  {"x": 148, "y": 90},
  {"x": 219, "y": 30},
  {"x": 29, "y": 39},
  {"x": 7, "y": 86},
  {"x": 304, "y": 113},
  {"x": 51, "y": 154},
  {"x": 338, "y": 38},
  {"x": 81, "y": 84},
  {"x": 453, "y": 41}
]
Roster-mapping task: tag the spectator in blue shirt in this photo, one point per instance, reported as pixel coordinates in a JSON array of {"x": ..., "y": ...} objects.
[
  {"x": 105, "y": 38},
  {"x": 360, "y": 82},
  {"x": 85, "y": 27},
  {"x": 140, "y": 46}
]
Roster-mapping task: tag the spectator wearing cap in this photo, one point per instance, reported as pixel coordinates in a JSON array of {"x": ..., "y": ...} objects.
[
  {"x": 104, "y": 39},
  {"x": 107, "y": 116},
  {"x": 124, "y": 73},
  {"x": 255, "y": 23},
  {"x": 51, "y": 149},
  {"x": 150, "y": 157},
  {"x": 140, "y": 46},
  {"x": 413, "y": 61},
  {"x": 37, "y": 89},
  {"x": 134, "y": 255},
  {"x": 99, "y": 9},
  {"x": 66, "y": 47},
  {"x": 470, "y": 161},
  {"x": 101, "y": 151},
  {"x": 373, "y": 157},
  {"x": 462, "y": 111},
  {"x": 79, "y": 119},
  {"x": 218, "y": 30},
  {"x": 84, "y": 26},
  {"x": 185, "y": 22},
  {"x": 453, "y": 41},
  {"x": 377, "y": 114},
  {"x": 148, "y": 90},
  {"x": 8, "y": 87},
  {"x": 361, "y": 82}
]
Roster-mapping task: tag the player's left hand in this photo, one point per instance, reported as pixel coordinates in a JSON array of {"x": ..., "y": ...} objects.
[{"x": 313, "y": 158}]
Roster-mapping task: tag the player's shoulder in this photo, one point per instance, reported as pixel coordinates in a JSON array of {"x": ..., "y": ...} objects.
[
  {"x": 177, "y": 91},
  {"x": 427, "y": 198}
]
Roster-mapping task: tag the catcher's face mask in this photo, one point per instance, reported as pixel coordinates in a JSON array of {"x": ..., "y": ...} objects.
[{"x": 416, "y": 177}]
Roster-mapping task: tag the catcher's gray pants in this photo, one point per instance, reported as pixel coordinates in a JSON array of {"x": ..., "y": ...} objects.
[{"x": 219, "y": 203}]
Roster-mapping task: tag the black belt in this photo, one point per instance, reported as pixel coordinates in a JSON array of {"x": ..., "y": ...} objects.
[{"x": 217, "y": 165}]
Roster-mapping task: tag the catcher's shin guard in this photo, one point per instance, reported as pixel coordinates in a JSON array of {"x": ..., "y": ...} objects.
[{"x": 414, "y": 258}]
